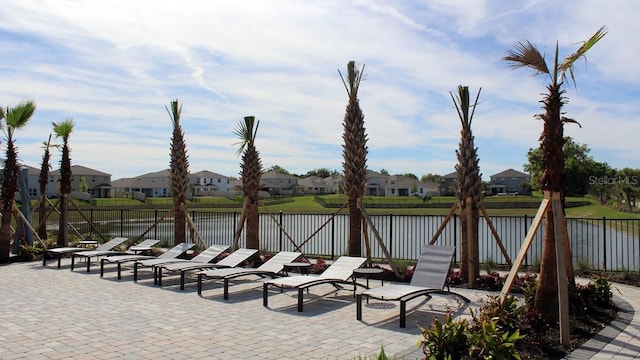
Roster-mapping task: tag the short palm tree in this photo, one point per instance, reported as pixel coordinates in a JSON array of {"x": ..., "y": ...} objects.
[
  {"x": 552, "y": 179},
  {"x": 15, "y": 118},
  {"x": 179, "y": 173},
  {"x": 63, "y": 130},
  {"x": 43, "y": 180},
  {"x": 250, "y": 174},
  {"x": 354, "y": 152},
  {"x": 469, "y": 186}
]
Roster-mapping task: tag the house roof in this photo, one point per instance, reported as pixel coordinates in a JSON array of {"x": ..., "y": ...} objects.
[
  {"x": 207, "y": 173},
  {"x": 452, "y": 175},
  {"x": 77, "y": 170},
  {"x": 510, "y": 173}
]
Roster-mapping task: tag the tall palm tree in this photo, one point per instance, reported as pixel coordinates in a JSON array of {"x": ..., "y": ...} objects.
[
  {"x": 179, "y": 173},
  {"x": 469, "y": 186},
  {"x": 551, "y": 140},
  {"x": 43, "y": 179},
  {"x": 15, "y": 118},
  {"x": 63, "y": 130},
  {"x": 250, "y": 174},
  {"x": 354, "y": 152}
]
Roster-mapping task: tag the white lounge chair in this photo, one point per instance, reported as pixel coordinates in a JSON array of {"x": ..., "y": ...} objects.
[
  {"x": 336, "y": 274},
  {"x": 232, "y": 260},
  {"x": 272, "y": 267},
  {"x": 429, "y": 277},
  {"x": 87, "y": 255},
  {"x": 172, "y": 253},
  {"x": 58, "y": 253}
]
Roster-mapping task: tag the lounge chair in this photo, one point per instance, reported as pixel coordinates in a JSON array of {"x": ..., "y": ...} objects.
[
  {"x": 272, "y": 268},
  {"x": 429, "y": 278},
  {"x": 338, "y": 273},
  {"x": 87, "y": 255},
  {"x": 232, "y": 260},
  {"x": 58, "y": 253},
  {"x": 209, "y": 254},
  {"x": 172, "y": 253}
]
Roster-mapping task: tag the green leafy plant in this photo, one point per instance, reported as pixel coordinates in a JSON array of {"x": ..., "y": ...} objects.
[
  {"x": 506, "y": 314},
  {"x": 491, "y": 342},
  {"x": 448, "y": 340}
]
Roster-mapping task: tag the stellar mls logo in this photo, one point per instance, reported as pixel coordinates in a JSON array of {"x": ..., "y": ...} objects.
[{"x": 614, "y": 180}]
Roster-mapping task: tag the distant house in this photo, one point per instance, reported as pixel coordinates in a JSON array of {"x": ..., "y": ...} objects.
[
  {"x": 208, "y": 183},
  {"x": 316, "y": 185},
  {"x": 448, "y": 184},
  {"x": 276, "y": 183},
  {"x": 155, "y": 184},
  {"x": 406, "y": 186},
  {"x": 377, "y": 184},
  {"x": 98, "y": 183},
  {"x": 509, "y": 181}
]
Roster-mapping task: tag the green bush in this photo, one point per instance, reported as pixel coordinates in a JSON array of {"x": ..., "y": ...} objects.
[{"x": 445, "y": 341}]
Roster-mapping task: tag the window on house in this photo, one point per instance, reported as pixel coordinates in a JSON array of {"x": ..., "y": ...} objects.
[{"x": 219, "y": 181}]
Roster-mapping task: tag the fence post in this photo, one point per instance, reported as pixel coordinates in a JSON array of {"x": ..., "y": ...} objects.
[
  {"x": 280, "y": 238},
  {"x": 333, "y": 236},
  {"x": 121, "y": 222},
  {"x": 526, "y": 230},
  {"x": 390, "y": 248},
  {"x": 155, "y": 221},
  {"x": 92, "y": 222},
  {"x": 604, "y": 243}
]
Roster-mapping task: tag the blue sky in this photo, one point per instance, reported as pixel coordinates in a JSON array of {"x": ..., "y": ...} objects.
[{"x": 113, "y": 66}]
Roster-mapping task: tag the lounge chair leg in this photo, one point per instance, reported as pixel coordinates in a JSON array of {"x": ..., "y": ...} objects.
[
  {"x": 88, "y": 265},
  {"x": 359, "y": 307},
  {"x": 119, "y": 271},
  {"x": 135, "y": 272},
  {"x": 226, "y": 289},
  {"x": 200, "y": 284},
  {"x": 265, "y": 294},
  {"x": 182, "y": 274},
  {"x": 60, "y": 261},
  {"x": 403, "y": 314},
  {"x": 73, "y": 260},
  {"x": 300, "y": 298},
  {"x": 44, "y": 259},
  {"x": 157, "y": 275}
]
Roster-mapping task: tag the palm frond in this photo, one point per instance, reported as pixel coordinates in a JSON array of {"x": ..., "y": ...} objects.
[
  {"x": 64, "y": 128},
  {"x": 525, "y": 54},
  {"x": 18, "y": 116},
  {"x": 567, "y": 64},
  {"x": 246, "y": 131}
]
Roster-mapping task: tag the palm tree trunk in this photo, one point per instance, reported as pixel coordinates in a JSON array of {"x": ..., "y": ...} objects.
[
  {"x": 253, "y": 224},
  {"x": 42, "y": 215},
  {"x": 5, "y": 236},
  {"x": 355, "y": 229},
  {"x": 63, "y": 232}
]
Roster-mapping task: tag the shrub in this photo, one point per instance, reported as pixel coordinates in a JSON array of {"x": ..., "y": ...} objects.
[
  {"x": 445, "y": 341},
  {"x": 491, "y": 281}
]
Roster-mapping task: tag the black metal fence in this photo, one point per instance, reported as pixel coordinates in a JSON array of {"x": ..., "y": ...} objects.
[{"x": 599, "y": 244}]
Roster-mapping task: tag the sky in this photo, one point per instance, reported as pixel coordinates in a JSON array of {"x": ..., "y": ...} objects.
[{"x": 115, "y": 66}]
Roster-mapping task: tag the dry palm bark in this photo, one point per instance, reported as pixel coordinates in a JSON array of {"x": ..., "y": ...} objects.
[
  {"x": 250, "y": 174},
  {"x": 354, "y": 152},
  {"x": 469, "y": 191},
  {"x": 525, "y": 54},
  {"x": 179, "y": 173}
]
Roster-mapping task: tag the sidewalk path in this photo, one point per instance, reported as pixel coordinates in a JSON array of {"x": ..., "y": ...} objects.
[{"x": 50, "y": 313}]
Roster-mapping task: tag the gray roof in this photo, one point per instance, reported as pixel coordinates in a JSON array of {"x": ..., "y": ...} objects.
[
  {"x": 83, "y": 171},
  {"x": 510, "y": 173}
]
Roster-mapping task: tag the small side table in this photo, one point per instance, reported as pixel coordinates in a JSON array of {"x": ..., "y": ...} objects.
[
  {"x": 88, "y": 243},
  {"x": 366, "y": 273},
  {"x": 301, "y": 267},
  {"x": 137, "y": 249}
]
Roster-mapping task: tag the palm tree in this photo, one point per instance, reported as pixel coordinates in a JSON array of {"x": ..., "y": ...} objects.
[
  {"x": 250, "y": 174},
  {"x": 63, "y": 130},
  {"x": 552, "y": 179},
  {"x": 354, "y": 152},
  {"x": 469, "y": 186},
  {"x": 179, "y": 173},
  {"x": 15, "y": 118},
  {"x": 43, "y": 179}
]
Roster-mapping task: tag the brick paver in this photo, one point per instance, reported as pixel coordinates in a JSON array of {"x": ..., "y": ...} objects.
[{"x": 50, "y": 313}]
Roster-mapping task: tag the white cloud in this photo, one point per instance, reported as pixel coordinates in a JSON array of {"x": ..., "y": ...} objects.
[{"x": 114, "y": 65}]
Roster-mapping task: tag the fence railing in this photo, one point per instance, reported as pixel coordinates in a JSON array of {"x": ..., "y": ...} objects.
[{"x": 598, "y": 244}]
